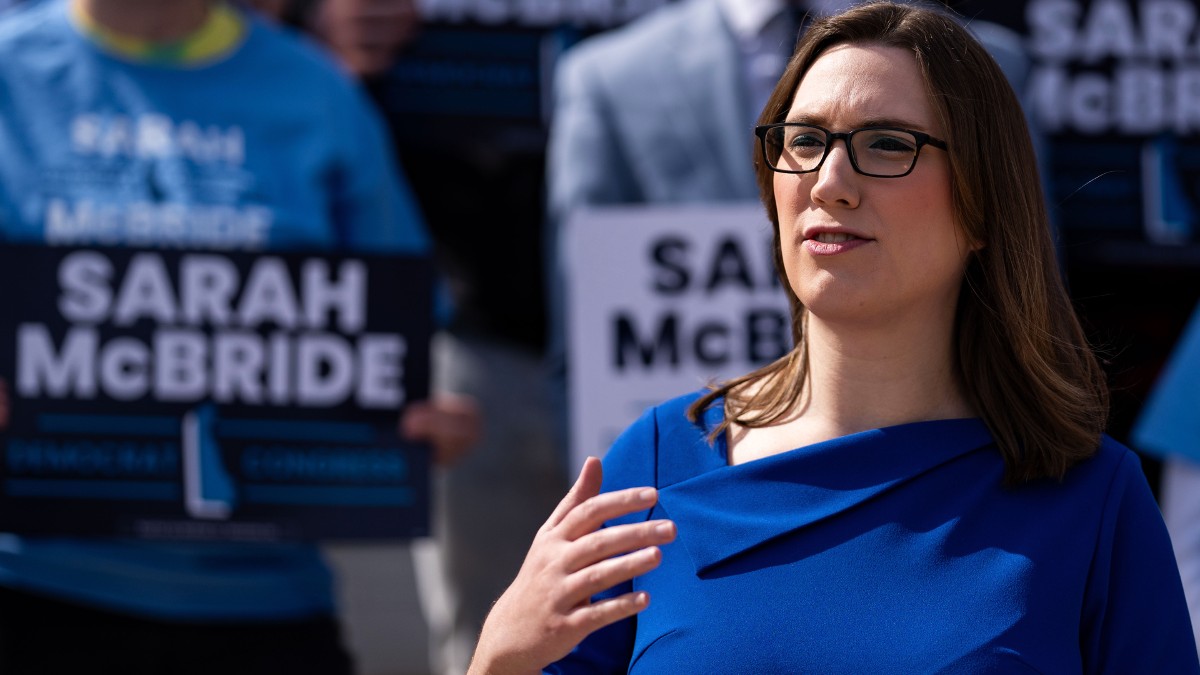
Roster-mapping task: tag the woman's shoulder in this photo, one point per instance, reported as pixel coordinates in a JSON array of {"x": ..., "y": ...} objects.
[
  {"x": 1109, "y": 473},
  {"x": 1114, "y": 460},
  {"x": 671, "y": 416},
  {"x": 676, "y": 408},
  {"x": 657, "y": 437}
]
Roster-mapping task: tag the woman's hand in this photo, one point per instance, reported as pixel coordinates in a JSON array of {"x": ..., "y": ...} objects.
[{"x": 548, "y": 610}]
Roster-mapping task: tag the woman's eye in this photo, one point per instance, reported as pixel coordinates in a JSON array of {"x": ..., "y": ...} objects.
[
  {"x": 806, "y": 141},
  {"x": 892, "y": 144}
]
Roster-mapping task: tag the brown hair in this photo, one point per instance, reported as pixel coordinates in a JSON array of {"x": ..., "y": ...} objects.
[{"x": 1021, "y": 352}]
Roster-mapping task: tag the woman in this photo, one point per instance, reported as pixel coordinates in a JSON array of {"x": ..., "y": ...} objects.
[{"x": 922, "y": 485}]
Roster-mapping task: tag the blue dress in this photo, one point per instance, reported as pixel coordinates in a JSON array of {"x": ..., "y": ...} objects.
[{"x": 896, "y": 550}]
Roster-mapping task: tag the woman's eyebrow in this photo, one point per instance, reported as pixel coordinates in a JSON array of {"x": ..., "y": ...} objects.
[
  {"x": 817, "y": 120},
  {"x": 803, "y": 118}
]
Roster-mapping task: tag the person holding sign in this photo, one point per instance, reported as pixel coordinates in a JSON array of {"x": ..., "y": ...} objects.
[
  {"x": 194, "y": 125},
  {"x": 922, "y": 484}
]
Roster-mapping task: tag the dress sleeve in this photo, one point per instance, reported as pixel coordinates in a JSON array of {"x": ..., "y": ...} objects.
[
  {"x": 630, "y": 462},
  {"x": 1135, "y": 619}
]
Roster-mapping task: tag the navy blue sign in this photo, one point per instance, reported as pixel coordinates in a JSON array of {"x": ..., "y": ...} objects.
[
  {"x": 1114, "y": 89},
  {"x": 204, "y": 395}
]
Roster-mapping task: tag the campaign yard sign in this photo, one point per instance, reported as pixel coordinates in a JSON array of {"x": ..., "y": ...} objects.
[
  {"x": 663, "y": 300},
  {"x": 167, "y": 394}
]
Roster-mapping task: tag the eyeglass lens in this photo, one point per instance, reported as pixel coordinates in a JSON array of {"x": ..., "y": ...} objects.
[{"x": 881, "y": 152}]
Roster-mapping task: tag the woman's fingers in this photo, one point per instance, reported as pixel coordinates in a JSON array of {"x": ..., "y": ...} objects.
[
  {"x": 585, "y": 487},
  {"x": 580, "y": 586},
  {"x": 547, "y": 610},
  {"x": 591, "y": 618},
  {"x": 590, "y": 515},
  {"x": 617, "y": 540}
]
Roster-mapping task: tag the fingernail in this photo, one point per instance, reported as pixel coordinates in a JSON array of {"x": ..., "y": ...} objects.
[
  {"x": 665, "y": 528},
  {"x": 642, "y": 598},
  {"x": 583, "y": 468},
  {"x": 647, "y": 494}
]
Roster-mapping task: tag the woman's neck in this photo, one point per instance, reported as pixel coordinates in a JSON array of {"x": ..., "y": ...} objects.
[
  {"x": 861, "y": 378},
  {"x": 149, "y": 20}
]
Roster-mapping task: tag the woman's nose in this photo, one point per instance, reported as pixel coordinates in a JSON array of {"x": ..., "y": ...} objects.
[{"x": 837, "y": 181}]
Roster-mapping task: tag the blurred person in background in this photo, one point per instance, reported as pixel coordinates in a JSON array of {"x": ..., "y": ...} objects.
[
  {"x": 483, "y": 205},
  {"x": 306, "y": 153},
  {"x": 621, "y": 92}
]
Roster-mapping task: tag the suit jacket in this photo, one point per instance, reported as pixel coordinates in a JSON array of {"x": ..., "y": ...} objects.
[
  {"x": 655, "y": 112},
  {"x": 658, "y": 111}
]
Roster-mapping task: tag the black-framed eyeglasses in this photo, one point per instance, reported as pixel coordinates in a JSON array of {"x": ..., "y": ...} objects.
[{"x": 879, "y": 152}]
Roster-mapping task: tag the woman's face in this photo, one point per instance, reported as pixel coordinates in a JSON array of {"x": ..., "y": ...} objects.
[{"x": 905, "y": 255}]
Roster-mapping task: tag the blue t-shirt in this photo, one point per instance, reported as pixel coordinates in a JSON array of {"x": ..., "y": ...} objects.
[{"x": 269, "y": 146}]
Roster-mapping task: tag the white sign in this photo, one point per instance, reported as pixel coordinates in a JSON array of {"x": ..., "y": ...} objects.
[{"x": 662, "y": 301}]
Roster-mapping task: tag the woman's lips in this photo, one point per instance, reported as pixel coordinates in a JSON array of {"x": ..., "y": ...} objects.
[{"x": 833, "y": 243}]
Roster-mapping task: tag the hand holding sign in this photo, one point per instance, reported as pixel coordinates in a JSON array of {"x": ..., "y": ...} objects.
[{"x": 450, "y": 423}]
